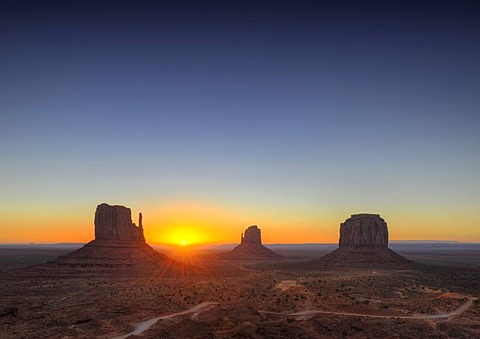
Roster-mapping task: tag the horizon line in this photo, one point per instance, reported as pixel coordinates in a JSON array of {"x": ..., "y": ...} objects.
[{"x": 225, "y": 244}]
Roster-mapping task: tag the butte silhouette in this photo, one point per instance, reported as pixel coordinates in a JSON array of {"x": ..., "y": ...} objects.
[
  {"x": 363, "y": 242},
  {"x": 119, "y": 244},
  {"x": 251, "y": 247}
]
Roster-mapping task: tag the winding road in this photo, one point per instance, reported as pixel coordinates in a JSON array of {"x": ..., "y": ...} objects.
[
  {"x": 205, "y": 306},
  {"x": 195, "y": 311},
  {"x": 446, "y": 316}
]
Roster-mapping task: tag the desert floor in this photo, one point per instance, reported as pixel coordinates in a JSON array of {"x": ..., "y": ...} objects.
[{"x": 281, "y": 299}]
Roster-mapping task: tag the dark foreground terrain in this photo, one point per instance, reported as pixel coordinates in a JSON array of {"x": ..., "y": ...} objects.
[{"x": 279, "y": 299}]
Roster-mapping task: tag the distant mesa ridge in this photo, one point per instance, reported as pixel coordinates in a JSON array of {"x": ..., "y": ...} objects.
[
  {"x": 251, "y": 247},
  {"x": 363, "y": 242}
]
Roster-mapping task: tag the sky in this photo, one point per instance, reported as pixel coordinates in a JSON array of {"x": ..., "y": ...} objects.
[{"x": 208, "y": 117}]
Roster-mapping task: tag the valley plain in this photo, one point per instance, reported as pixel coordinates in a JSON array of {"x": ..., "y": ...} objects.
[{"x": 436, "y": 297}]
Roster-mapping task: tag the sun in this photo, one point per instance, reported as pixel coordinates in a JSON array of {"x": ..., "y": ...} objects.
[{"x": 182, "y": 236}]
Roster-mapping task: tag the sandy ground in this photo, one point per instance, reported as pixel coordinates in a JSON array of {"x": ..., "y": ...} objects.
[{"x": 256, "y": 300}]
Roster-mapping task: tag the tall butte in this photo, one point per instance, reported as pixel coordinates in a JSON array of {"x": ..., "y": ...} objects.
[
  {"x": 118, "y": 244},
  {"x": 115, "y": 223},
  {"x": 363, "y": 242},
  {"x": 251, "y": 247}
]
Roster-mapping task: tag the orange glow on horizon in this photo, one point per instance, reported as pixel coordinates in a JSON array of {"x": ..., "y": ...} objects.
[{"x": 187, "y": 223}]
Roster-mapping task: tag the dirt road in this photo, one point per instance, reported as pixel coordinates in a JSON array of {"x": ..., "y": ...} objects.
[
  {"x": 307, "y": 314},
  {"x": 311, "y": 313},
  {"x": 195, "y": 311}
]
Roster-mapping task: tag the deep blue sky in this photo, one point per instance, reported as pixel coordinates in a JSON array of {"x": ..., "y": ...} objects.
[{"x": 309, "y": 107}]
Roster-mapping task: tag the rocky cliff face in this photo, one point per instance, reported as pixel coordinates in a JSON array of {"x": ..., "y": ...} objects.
[
  {"x": 119, "y": 246},
  {"x": 252, "y": 235},
  {"x": 363, "y": 242},
  {"x": 115, "y": 223},
  {"x": 251, "y": 247},
  {"x": 364, "y": 230}
]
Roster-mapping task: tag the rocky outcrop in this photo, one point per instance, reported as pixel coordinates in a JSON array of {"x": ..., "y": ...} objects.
[
  {"x": 363, "y": 242},
  {"x": 251, "y": 247},
  {"x": 252, "y": 235},
  {"x": 119, "y": 245},
  {"x": 115, "y": 223},
  {"x": 364, "y": 230}
]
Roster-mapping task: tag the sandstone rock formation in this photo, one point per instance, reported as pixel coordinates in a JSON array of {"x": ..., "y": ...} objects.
[
  {"x": 115, "y": 223},
  {"x": 119, "y": 245},
  {"x": 363, "y": 242},
  {"x": 364, "y": 230},
  {"x": 252, "y": 235},
  {"x": 251, "y": 247}
]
